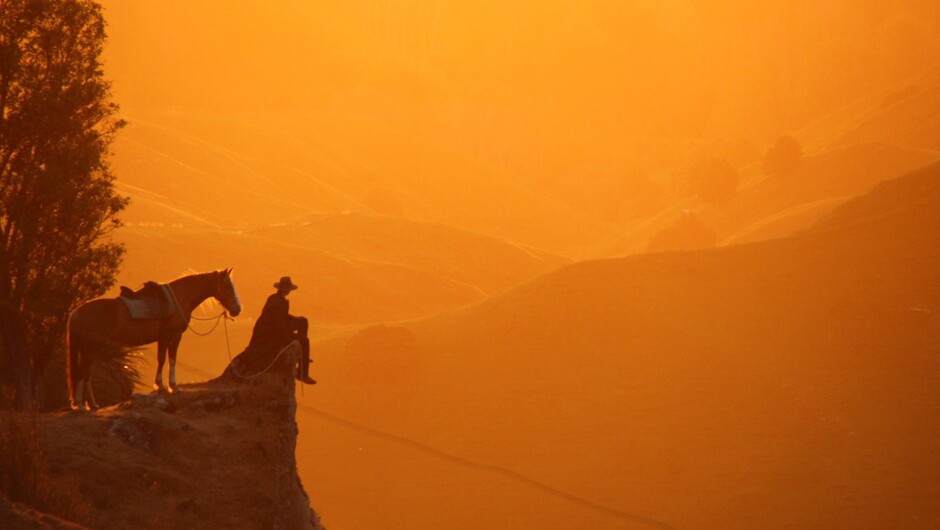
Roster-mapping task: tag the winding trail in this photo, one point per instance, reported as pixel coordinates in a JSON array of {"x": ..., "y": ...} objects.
[
  {"x": 470, "y": 464},
  {"x": 498, "y": 470}
]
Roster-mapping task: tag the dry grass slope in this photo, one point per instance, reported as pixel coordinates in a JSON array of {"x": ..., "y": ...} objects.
[{"x": 761, "y": 383}]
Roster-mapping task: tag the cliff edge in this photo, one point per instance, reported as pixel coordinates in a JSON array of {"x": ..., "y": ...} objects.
[{"x": 219, "y": 454}]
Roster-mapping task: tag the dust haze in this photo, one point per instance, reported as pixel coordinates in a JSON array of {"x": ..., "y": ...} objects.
[{"x": 568, "y": 264}]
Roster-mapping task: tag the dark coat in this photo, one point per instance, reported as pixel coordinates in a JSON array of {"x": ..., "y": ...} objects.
[{"x": 273, "y": 328}]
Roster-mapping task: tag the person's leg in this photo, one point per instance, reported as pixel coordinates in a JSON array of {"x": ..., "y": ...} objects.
[{"x": 303, "y": 367}]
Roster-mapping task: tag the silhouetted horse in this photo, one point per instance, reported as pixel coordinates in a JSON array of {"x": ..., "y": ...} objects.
[{"x": 107, "y": 321}]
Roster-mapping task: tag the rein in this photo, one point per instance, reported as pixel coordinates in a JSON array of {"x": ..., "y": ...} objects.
[
  {"x": 217, "y": 318},
  {"x": 224, "y": 318},
  {"x": 234, "y": 367}
]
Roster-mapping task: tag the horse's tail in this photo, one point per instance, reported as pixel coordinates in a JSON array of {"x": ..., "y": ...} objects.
[{"x": 73, "y": 362}]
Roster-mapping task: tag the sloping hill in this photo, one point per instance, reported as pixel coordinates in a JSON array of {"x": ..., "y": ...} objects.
[
  {"x": 765, "y": 207},
  {"x": 356, "y": 267},
  {"x": 338, "y": 289},
  {"x": 908, "y": 115},
  {"x": 238, "y": 170},
  {"x": 842, "y": 172},
  {"x": 486, "y": 263},
  {"x": 781, "y": 384}
]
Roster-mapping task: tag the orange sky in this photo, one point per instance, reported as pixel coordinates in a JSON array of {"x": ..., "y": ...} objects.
[
  {"x": 427, "y": 163},
  {"x": 515, "y": 80}
]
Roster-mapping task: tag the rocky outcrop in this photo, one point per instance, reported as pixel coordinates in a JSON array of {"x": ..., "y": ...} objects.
[{"x": 219, "y": 454}]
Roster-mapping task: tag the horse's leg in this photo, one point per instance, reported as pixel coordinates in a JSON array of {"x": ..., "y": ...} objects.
[
  {"x": 161, "y": 358},
  {"x": 79, "y": 403},
  {"x": 83, "y": 397},
  {"x": 76, "y": 399},
  {"x": 174, "y": 345},
  {"x": 89, "y": 395}
]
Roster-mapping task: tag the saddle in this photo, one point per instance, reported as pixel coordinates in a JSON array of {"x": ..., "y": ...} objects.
[{"x": 152, "y": 301}]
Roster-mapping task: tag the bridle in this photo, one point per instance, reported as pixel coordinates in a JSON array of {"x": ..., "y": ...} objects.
[{"x": 233, "y": 301}]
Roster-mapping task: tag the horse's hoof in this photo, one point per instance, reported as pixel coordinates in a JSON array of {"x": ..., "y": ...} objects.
[
  {"x": 159, "y": 389},
  {"x": 78, "y": 408},
  {"x": 174, "y": 390}
]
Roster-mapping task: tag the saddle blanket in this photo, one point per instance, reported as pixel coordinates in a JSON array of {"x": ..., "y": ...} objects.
[{"x": 151, "y": 304}]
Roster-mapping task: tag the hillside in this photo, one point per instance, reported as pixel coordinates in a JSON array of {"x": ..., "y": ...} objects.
[
  {"x": 488, "y": 264},
  {"x": 766, "y": 208},
  {"x": 356, "y": 267},
  {"x": 217, "y": 455},
  {"x": 906, "y": 115},
  {"x": 759, "y": 385},
  {"x": 237, "y": 170}
]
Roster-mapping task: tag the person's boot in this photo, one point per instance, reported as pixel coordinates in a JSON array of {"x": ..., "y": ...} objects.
[{"x": 303, "y": 372}]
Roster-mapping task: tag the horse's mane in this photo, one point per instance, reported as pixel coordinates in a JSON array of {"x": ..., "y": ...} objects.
[{"x": 195, "y": 274}]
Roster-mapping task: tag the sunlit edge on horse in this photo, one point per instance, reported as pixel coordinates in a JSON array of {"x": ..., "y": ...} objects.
[{"x": 103, "y": 321}]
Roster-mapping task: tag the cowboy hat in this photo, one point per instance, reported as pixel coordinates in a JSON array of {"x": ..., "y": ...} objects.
[{"x": 285, "y": 284}]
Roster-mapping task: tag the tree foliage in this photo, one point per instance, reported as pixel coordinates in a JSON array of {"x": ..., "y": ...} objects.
[
  {"x": 57, "y": 199},
  {"x": 783, "y": 157}
]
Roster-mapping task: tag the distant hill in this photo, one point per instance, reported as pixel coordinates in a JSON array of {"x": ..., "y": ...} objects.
[
  {"x": 354, "y": 268},
  {"x": 765, "y": 207},
  {"x": 907, "y": 115},
  {"x": 229, "y": 170},
  {"x": 766, "y": 382},
  {"x": 484, "y": 262}
]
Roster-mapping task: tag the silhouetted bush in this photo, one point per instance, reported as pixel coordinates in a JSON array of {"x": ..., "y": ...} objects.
[
  {"x": 783, "y": 157},
  {"x": 114, "y": 377},
  {"x": 688, "y": 233},
  {"x": 713, "y": 179}
]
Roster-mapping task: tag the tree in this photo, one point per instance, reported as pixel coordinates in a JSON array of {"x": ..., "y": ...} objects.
[
  {"x": 714, "y": 179},
  {"x": 783, "y": 157},
  {"x": 57, "y": 199}
]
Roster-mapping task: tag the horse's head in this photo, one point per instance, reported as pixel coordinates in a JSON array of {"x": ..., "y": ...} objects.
[{"x": 226, "y": 294}]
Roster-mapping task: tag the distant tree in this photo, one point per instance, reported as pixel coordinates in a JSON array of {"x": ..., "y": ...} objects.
[
  {"x": 783, "y": 157},
  {"x": 688, "y": 233},
  {"x": 57, "y": 198},
  {"x": 713, "y": 179}
]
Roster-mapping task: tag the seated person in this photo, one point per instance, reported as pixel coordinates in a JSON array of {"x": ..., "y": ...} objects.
[{"x": 274, "y": 330}]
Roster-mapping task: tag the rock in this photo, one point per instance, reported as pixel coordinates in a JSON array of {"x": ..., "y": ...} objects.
[
  {"x": 210, "y": 464},
  {"x": 156, "y": 401},
  {"x": 133, "y": 431}
]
